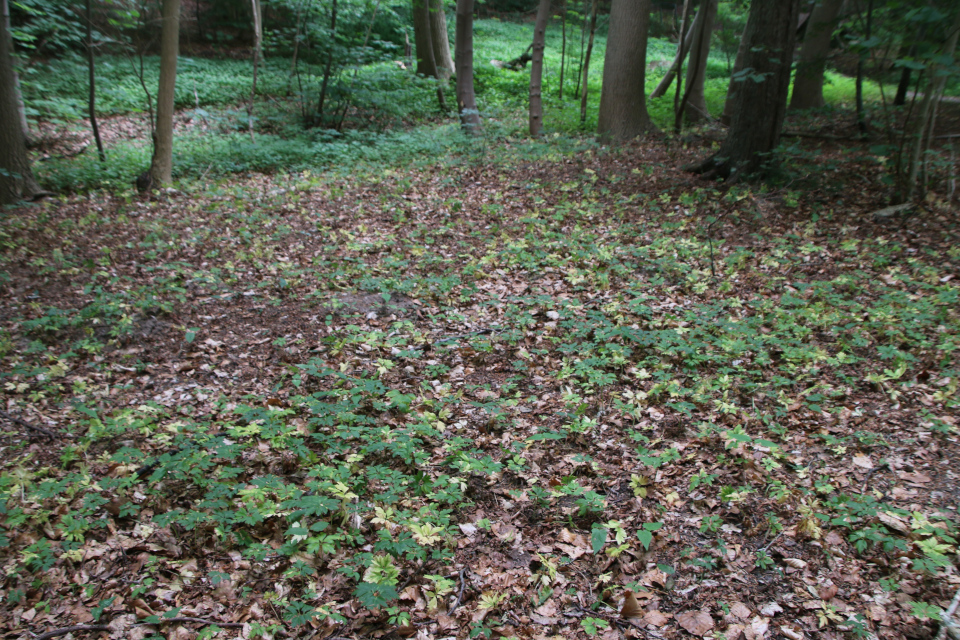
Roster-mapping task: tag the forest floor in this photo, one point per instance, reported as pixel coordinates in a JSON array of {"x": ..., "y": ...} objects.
[{"x": 590, "y": 395}]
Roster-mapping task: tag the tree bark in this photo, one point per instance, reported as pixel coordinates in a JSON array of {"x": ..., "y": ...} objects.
[
  {"x": 440, "y": 40},
  {"x": 682, "y": 51},
  {"x": 761, "y": 101},
  {"x": 808, "y": 84},
  {"x": 16, "y": 177},
  {"x": 536, "y": 68},
  {"x": 161, "y": 168},
  {"x": 623, "y": 106},
  {"x": 696, "y": 102},
  {"x": 925, "y": 124},
  {"x": 734, "y": 86},
  {"x": 257, "y": 44},
  {"x": 423, "y": 40},
  {"x": 466, "y": 98},
  {"x": 586, "y": 64},
  {"x": 92, "y": 77}
]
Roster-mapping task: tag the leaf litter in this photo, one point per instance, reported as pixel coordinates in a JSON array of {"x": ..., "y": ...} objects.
[{"x": 584, "y": 395}]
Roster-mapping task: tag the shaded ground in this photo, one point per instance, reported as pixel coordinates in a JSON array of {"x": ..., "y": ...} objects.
[{"x": 579, "y": 396}]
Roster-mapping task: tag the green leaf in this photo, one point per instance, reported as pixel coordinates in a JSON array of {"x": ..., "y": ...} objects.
[
  {"x": 375, "y": 596},
  {"x": 646, "y": 537},
  {"x": 598, "y": 537}
]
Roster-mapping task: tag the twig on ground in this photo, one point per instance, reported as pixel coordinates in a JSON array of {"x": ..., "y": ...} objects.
[
  {"x": 24, "y": 423},
  {"x": 66, "y": 630},
  {"x": 459, "y": 595},
  {"x": 770, "y": 544},
  {"x": 225, "y": 625}
]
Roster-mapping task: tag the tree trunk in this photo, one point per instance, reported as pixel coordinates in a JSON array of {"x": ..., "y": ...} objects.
[
  {"x": 440, "y": 40},
  {"x": 16, "y": 177},
  {"x": 586, "y": 64},
  {"x": 761, "y": 101},
  {"x": 328, "y": 67},
  {"x": 623, "y": 106},
  {"x": 257, "y": 44},
  {"x": 536, "y": 68},
  {"x": 161, "y": 168},
  {"x": 92, "y": 93},
  {"x": 808, "y": 85},
  {"x": 682, "y": 50},
  {"x": 923, "y": 129},
  {"x": 696, "y": 103},
  {"x": 563, "y": 47},
  {"x": 466, "y": 98},
  {"x": 734, "y": 87},
  {"x": 423, "y": 40}
]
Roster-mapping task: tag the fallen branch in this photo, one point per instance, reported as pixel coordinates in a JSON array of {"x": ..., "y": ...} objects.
[
  {"x": 24, "y": 423},
  {"x": 947, "y": 625},
  {"x": 66, "y": 630},
  {"x": 889, "y": 212}
]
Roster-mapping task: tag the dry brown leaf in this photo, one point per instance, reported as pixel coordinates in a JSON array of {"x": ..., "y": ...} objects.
[
  {"x": 631, "y": 608},
  {"x": 696, "y": 622},
  {"x": 863, "y": 461},
  {"x": 796, "y": 563},
  {"x": 656, "y": 618},
  {"x": 740, "y": 610}
]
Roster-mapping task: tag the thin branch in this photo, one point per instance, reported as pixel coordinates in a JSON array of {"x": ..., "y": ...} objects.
[
  {"x": 64, "y": 631},
  {"x": 225, "y": 625},
  {"x": 24, "y": 423}
]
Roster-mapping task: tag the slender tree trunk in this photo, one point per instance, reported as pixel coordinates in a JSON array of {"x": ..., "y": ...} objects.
[
  {"x": 586, "y": 64},
  {"x": 257, "y": 44},
  {"x": 861, "y": 116},
  {"x": 695, "y": 109},
  {"x": 736, "y": 81},
  {"x": 536, "y": 68},
  {"x": 623, "y": 105},
  {"x": 563, "y": 46},
  {"x": 328, "y": 68},
  {"x": 761, "y": 101},
  {"x": 808, "y": 84},
  {"x": 682, "y": 50},
  {"x": 440, "y": 40},
  {"x": 161, "y": 168},
  {"x": 924, "y": 127},
  {"x": 423, "y": 40},
  {"x": 676, "y": 94},
  {"x": 92, "y": 94},
  {"x": 16, "y": 177},
  {"x": 466, "y": 98}
]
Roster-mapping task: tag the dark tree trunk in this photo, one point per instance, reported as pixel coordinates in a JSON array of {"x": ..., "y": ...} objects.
[
  {"x": 586, "y": 64},
  {"x": 466, "y": 98},
  {"x": 16, "y": 177},
  {"x": 536, "y": 68},
  {"x": 623, "y": 105},
  {"x": 761, "y": 101},
  {"x": 695, "y": 109},
  {"x": 423, "y": 40},
  {"x": 682, "y": 49},
  {"x": 808, "y": 84},
  {"x": 92, "y": 76},
  {"x": 734, "y": 87},
  {"x": 861, "y": 115}
]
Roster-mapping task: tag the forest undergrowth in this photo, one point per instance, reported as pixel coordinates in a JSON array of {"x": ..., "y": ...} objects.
[{"x": 586, "y": 395}]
